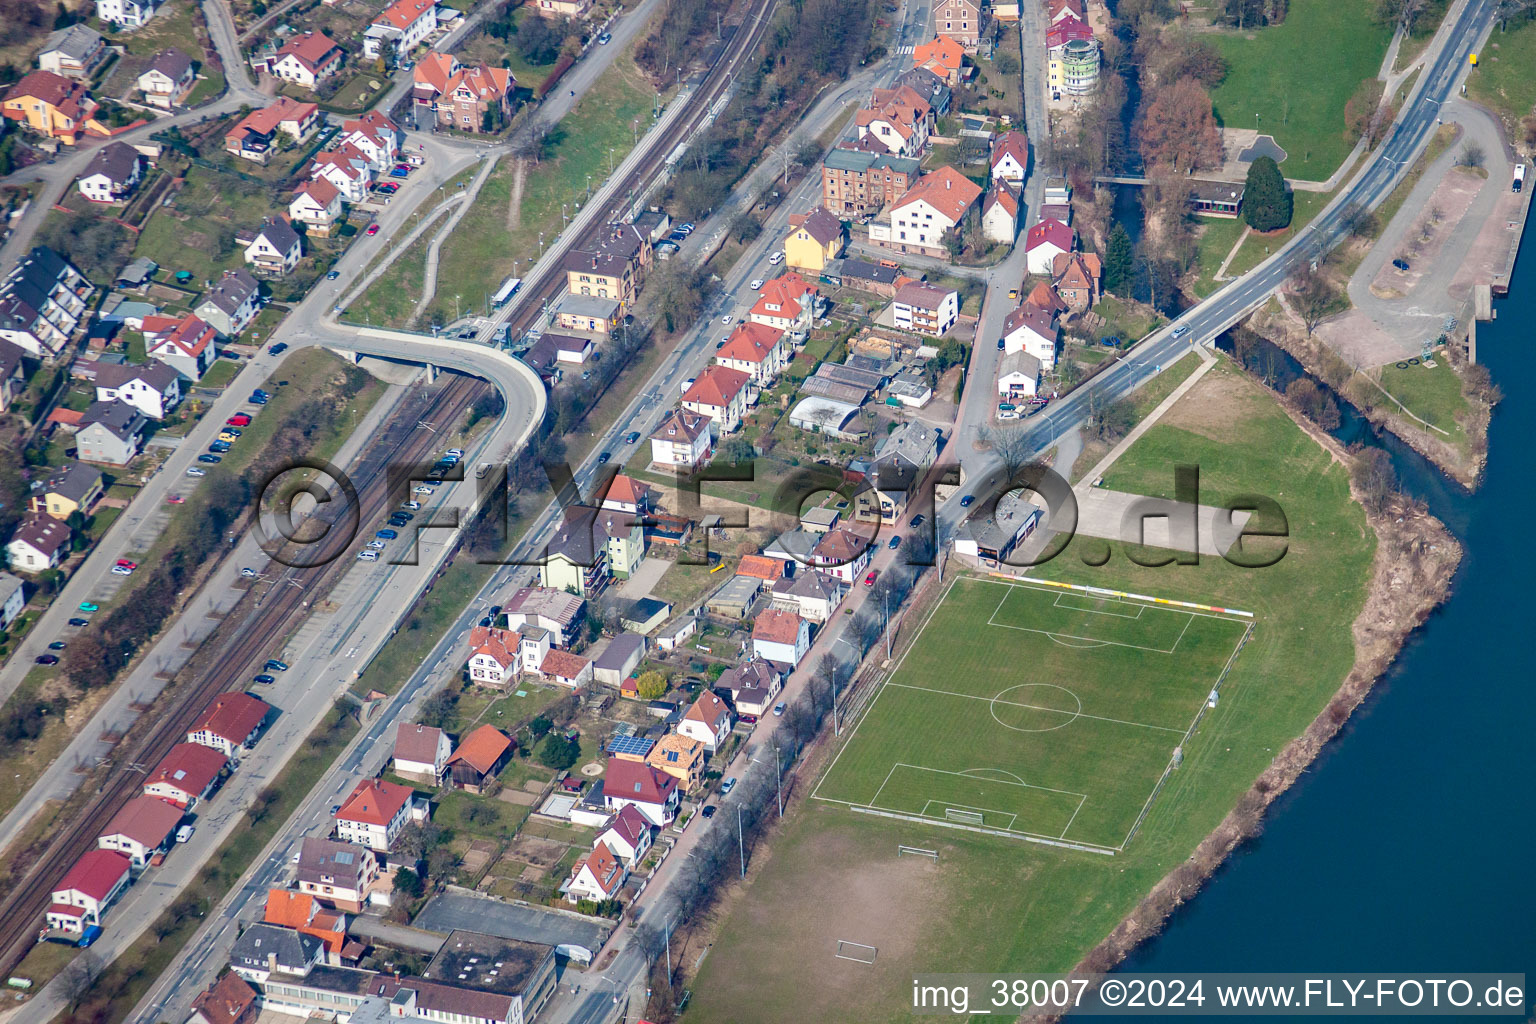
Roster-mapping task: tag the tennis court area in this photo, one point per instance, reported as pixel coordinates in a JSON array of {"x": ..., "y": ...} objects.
[{"x": 1035, "y": 710}]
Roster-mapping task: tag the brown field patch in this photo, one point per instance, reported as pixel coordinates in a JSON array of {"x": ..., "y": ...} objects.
[
  {"x": 513, "y": 796},
  {"x": 1216, "y": 402},
  {"x": 542, "y": 853}
]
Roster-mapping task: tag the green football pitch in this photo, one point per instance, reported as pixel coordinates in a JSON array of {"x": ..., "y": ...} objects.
[{"x": 1036, "y": 711}]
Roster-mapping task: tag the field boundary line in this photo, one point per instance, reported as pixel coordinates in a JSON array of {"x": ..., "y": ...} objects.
[
  {"x": 1005, "y": 782},
  {"x": 1022, "y": 837},
  {"x": 1125, "y": 594},
  {"x": 1100, "y": 641},
  {"x": 1199, "y": 713},
  {"x": 1037, "y": 707},
  {"x": 1099, "y": 611}
]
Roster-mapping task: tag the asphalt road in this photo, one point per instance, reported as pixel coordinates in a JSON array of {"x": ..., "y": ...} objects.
[{"x": 457, "y": 910}]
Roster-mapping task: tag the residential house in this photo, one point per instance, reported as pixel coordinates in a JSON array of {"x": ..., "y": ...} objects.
[
  {"x": 375, "y": 812},
  {"x": 13, "y": 372},
  {"x": 431, "y": 75},
  {"x": 308, "y": 59},
  {"x": 924, "y": 309},
  {"x": 675, "y": 633},
  {"x": 421, "y": 752},
  {"x": 497, "y": 656},
  {"x": 937, "y": 203},
  {"x": 604, "y": 275},
  {"x": 588, "y": 313},
  {"x": 563, "y": 8},
  {"x": 255, "y": 136},
  {"x": 39, "y": 543},
  {"x": 651, "y": 792},
  {"x": 376, "y": 136},
  {"x": 73, "y": 487},
  {"x": 1057, "y": 10},
  {"x": 900, "y": 461},
  {"x": 708, "y": 720},
  {"x": 813, "y": 239},
  {"x": 230, "y": 724},
  {"x": 478, "y": 759},
  {"x": 944, "y": 56},
  {"x": 927, "y": 85},
  {"x": 883, "y": 279},
  {"x": 555, "y": 610},
  {"x": 402, "y": 27},
  {"x": 87, "y": 889},
  {"x": 317, "y": 205},
  {"x": 812, "y": 595},
  {"x": 575, "y": 558},
  {"x": 42, "y": 301},
  {"x": 566, "y": 669},
  {"x": 142, "y": 828},
  {"x": 722, "y": 394},
  {"x": 127, "y": 14},
  {"x": 1033, "y": 330},
  {"x": 899, "y": 119},
  {"x": 1010, "y": 158},
  {"x": 1043, "y": 296},
  {"x": 626, "y": 494},
  {"x": 342, "y": 875},
  {"x": 1000, "y": 214},
  {"x": 760, "y": 351},
  {"x": 153, "y": 388},
  {"x": 476, "y": 99},
  {"x": 752, "y": 684},
  {"x": 189, "y": 773},
  {"x": 168, "y": 80},
  {"x": 1076, "y": 278},
  {"x": 110, "y": 433},
  {"x": 1072, "y": 61},
  {"x": 50, "y": 105},
  {"x": 274, "y": 248},
  {"x": 232, "y": 303},
  {"x": 348, "y": 170},
  {"x": 960, "y": 20},
  {"x": 619, "y": 659},
  {"x": 73, "y": 51},
  {"x": 781, "y": 636},
  {"x": 304, "y": 914},
  {"x": 860, "y": 183},
  {"x": 788, "y": 303},
  {"x": 189, "y": 348},
  {"x": 842, "y": 553},
  {"x": 681, "y": 441},
  {"x": 265, "y": 952},
  {"x": 681, "y": 757},
  {"x": 230, "y": 1000},
  {"x": 628, "y": 835},
  {"x": 1045, "y": 241},
  {"x": 763, "y": 567},
  {"x": 597, "y": 876},
  {"x": 13, "y": 599},
  {"x": 1018, "y": 376}
]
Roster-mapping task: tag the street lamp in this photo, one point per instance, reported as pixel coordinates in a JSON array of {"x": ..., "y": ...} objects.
[{"x": 541, "y": 243}]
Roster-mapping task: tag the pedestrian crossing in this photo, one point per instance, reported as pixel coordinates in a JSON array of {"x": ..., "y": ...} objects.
[{"x": 905, "y": 51}]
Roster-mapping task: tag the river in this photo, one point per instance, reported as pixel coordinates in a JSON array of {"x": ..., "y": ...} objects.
[{"x": 1407, "y": 846}]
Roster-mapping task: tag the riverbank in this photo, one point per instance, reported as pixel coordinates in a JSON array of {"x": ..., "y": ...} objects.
[{"x": 1416, "y": 559}]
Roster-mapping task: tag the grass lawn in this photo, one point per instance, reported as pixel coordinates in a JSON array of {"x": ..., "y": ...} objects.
[
  {"x": 192, "y": 233},
  {"x": 220, "y": 374},
  {"x": 1502, "y": 79},
  {"x": 407, "y": 649},
  {"x": 1430, "y": 393},
  {"x": 1217, "y": 237},
  {"x": 1257, "y": 248},
  {"x": 479, "y": 816},
  {"x": 479, "y": 254},
  {"x": 1130, "y": 322},
  {"x": 835, "y": 874},
  {"x": 1297, "y": 76}
]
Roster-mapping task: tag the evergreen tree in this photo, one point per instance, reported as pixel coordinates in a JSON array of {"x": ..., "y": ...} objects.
[
  {"x": 1119, "y": 256},
  {"x": 1266, "y": 200}
]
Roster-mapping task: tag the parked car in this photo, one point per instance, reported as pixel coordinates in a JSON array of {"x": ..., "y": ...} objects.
[
  {"x": 727, "y": 786},
  {"x": 632, "y": 437},
  {"x": 79, "y": 622},
  {"x": 184, "y": 833},
  {"x": 57, "y": 645},
  {"x": 259, "y": 399},
  {"x": 373, "y": 229},
  {"x": 367, "y": 556},
  {"x": 917, "y": 520},
  {"x": 421, "y": 489},
  {"x": 124, "y": 563},
  {"x": 776, "y": 258},
  {"x": 377, "y": 544},
  {"x": 895, "y": 542},
  {"x": 389, "y": 188},
  {"x": 779, "y": 709},
  {"x": 230, "y": 434},
  {"x": 414, "y": 506},
  {"x": 196, "y": 471},
  {"x": 678, "y": 237},
  {"x": 756, "y": 285},
  {"x": 398, "y": 172},
  {"x": 386, "y": 534},
  {"x": 177, "y": 499},
  {"x": 871, "y": 576},
  {"x": 966, "y": 501},
  {"x": 265, "y": 679},
  {"x": 118, "y": 570},
  {"x": 686, "y": 229},
  {"x": 89, "y": 606},
  {"x": 604, "y": 39},
  {"x": 333, "y": 275},
  {"x": 726, "y": 319},
  {"x": 708, "y": 811},
  {"x": 279, "y": 348},
  {"x": 209, "y": 459},
  {"x": 1013, "y": 293},
  {"x": 239, "y": 419},
  {"x": 248, "y": 573},
  {"x": 1400, "y": 264},
  {"x": 273, "y": 665},
  {"x": 47, "y": 659}
]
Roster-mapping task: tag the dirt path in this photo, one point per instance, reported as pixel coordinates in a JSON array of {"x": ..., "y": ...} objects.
[
  {"x": 515, "y": 200},
  {"x": 435, "y": 249}
]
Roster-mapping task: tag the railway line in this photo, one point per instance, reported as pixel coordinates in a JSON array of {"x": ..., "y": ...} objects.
[{"x": 275, "y": 613}]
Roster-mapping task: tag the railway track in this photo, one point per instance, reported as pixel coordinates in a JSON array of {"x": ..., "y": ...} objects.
[
  {"x": 274, "y": 615},
  {"x": 717, "y": 81}
]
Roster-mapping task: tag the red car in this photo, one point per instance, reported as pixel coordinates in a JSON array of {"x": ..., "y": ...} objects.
[
  {"x": 373, "y": 229},
  {"x": 176, "y": 499},
  {"x": 238, "y": 420},
  {"x": 869, "y": 580},
  {"x": 125, "y": 564}
]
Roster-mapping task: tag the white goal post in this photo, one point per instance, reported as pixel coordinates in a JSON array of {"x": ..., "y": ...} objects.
[
  {"x": 858, "y": 952},
  {"x": 968, "y": 817},
  {"x": 918, "y": 851}
]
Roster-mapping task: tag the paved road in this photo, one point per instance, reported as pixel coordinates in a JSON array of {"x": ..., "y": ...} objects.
[{"x": 456, "y": 910}]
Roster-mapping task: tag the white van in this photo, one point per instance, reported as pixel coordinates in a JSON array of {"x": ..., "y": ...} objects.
[
  {"x": 367, "y": 556},
  {"x": 185, "y": 832}
]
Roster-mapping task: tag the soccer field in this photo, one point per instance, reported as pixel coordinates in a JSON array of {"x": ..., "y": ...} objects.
[{"x": 1042, "y": 712}]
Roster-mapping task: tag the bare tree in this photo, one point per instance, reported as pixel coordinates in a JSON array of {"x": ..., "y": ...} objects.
[
  {"x": 1010, "y": 443},
  {"x": 1473, "y": 155},
  {"x": 76, "y": 978}
]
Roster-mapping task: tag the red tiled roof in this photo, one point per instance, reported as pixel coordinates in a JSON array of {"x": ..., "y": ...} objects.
[
  {"x": 232, "y": 716},
  {"x": 500, "y": 644},
  {"x": 1038, "y": 320},
  {"x": 320, "y": 190},
  {"x": 760, "y": 567},
  {"x": 374, "y": 802},
  {"x": 751, "y": 343},
  {"x": 1014, "y": 144},
  {"x": 563, "y": 664},
  {"x": 435, "y": 71},
  {"x": 920, "y": 295},
  {"x": 403, "y": 13},
  {"x": 144, "y": 820},
  {"x": 627, "y": 490},
  {"x": 630, "y": 824},
  {"x": 311, "y": 49},
  {"x": 189, "y": 767},
  {"x": 66, "y": 417},
  {"x": 1002, "y": 194},
  {"x": 942, "y": 51},
  {"x": 1043, "y": 296},
  {"x": 776, "y": 625},
  {"x": 267, "y": 119},
  {"x": 288, "y": 908},
  {"x": 416, "y": 742},
  {"x": 483, "y": 82},
  {"x": 604, "y": 867},
  {"x": 946, "y": 190},
  {"x": 636, "y": 780},
  {"x": 95, "y": 874},
  {"x": 1066, "y": 30},
  {"x": 481, "y": 749},
  {"x": 681, "y": 425},
  {"x": 709, "y": 708},
  {"x": 227, "y": 1000},
  {"x": 1053, "y": 232},
  {"x": 716, "y": 386},
  {"x": 67, "y": 95}
]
